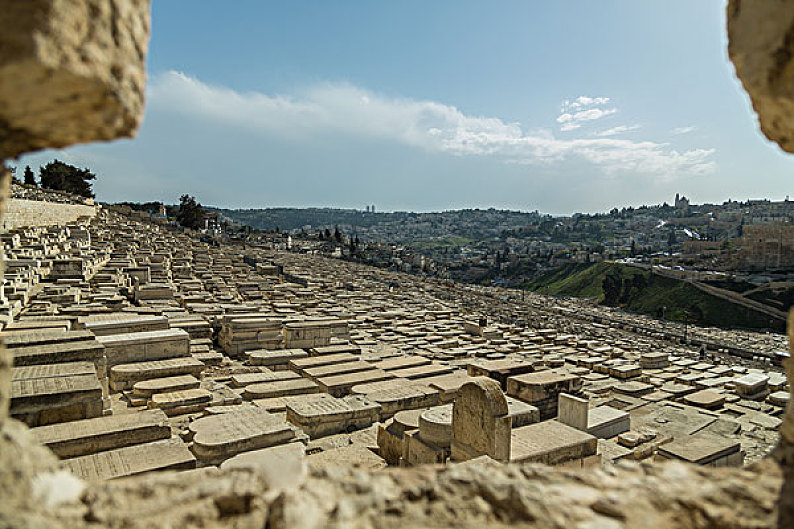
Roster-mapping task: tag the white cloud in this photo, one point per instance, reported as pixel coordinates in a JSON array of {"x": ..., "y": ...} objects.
[
  {"x": 614, "y": 131},
  {"x": 436, "y": 127},
  {"x": 582, "y": 109},
  {"x": 682, "y": 130},
  {"x": 583, "y": 101}
]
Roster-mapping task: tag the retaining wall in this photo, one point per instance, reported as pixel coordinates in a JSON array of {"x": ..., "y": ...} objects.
[{"x": 40, "y": 213}]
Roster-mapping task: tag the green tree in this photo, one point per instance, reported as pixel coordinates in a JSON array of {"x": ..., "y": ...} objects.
[
  {"x": 190, "y": 213},
  {"x": 30, "y": 178},
  {"x": 64, "y": 177}
]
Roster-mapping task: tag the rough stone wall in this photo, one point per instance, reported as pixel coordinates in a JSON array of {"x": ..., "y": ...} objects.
[
  {"x": 5, "y": 356},
  {"x": 478, "y": 494},
  {"x": 38, "y": 213},
  {"x": 761, "y": 46},
  {"x": 71, "y": 71}
]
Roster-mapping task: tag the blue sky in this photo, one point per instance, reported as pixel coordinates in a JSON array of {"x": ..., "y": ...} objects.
[{"x": 560, "y": 107}]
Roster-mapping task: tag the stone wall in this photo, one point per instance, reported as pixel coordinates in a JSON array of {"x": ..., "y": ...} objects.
[{"x": 38, "y": 213}]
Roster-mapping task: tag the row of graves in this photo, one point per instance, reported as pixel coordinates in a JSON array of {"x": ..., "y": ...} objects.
[{"x": 171, "y": 353}]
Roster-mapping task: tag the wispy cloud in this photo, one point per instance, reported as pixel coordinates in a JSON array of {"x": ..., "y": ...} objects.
[
  {"x": 436, "y": 127},
  {"x": 683, "y": 130},
  {"x": 614, "y": 131},
  {"x": 581, "y": 110}
]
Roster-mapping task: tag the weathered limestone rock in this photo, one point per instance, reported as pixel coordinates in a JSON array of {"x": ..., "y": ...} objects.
[
  {"x": 469, "y": 496},
  {"x": 281, "y": 466},
  {"x": 21, "y": 460},
  {"x": 70, "y": 72},
  {"x": 762, "y": 50}
]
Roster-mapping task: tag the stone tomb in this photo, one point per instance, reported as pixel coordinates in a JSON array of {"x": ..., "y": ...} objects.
[
  {"x": 307, "y": 334},
  {"x": 276, "y": 360},
  {"x": 606, "y": 422},
  {"x": 168, "y": 454},
  {"x": 264, "y": 375},
  {"x": 43, "y": 337},
  {"x": 53, "y": 399},
  {"x": 334, "y": 349},
  {"x": 147, "y": 388},
  {"x": 420, "y": 372},
  {"x": 145, "y": 346},
  {"x": 219, "y": 437},
  {"x": 499, "y": 370},
  {"x": 179, "y": 402},
  {"x": 705, "y": 398},
  {"x": 753, "y": 386},
  {"x": 319, "y": 417},
  {"x": 448, "y": 385},
  {"x": 391, "y": 435},
  {"x": 125, "y": 376},
  {"x": 431, "y": 442},
  {"x": 357, "y": 366},
  {"x": 124, "y": 324},
  {"x": 542, "y": 389},
  {"x": 280, "y": 388},
  {"x": 340, "y": 385},
  {"x": 406, "y": 396},
  {"x": 551, "y": 443},
  {"x": 59, "y": 352},
  {"x": 401, "y": 362},
  {"x": 299, "y": 365},
  {"x": 704, "y": 449},
  {"x": 88, "y": 436}
]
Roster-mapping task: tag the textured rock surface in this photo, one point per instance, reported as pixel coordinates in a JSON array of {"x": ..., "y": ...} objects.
[
  {"x": 477, "y": 494},
  {"x": 761, "y": 46},
  {"x": 21, "y": 460},
  {"x": 71, "y": 71}
]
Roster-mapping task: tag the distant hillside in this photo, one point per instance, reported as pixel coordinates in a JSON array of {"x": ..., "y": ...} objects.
[
  {"x": 473, "y": 224},
  {"x": 296, "y": 218},
  {"x": 640, "y": 291}
]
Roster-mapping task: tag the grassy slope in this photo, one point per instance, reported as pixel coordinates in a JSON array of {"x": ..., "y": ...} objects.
[
  {"x": 679, "y": 298},
  {"x": 576, "y": 280}
]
